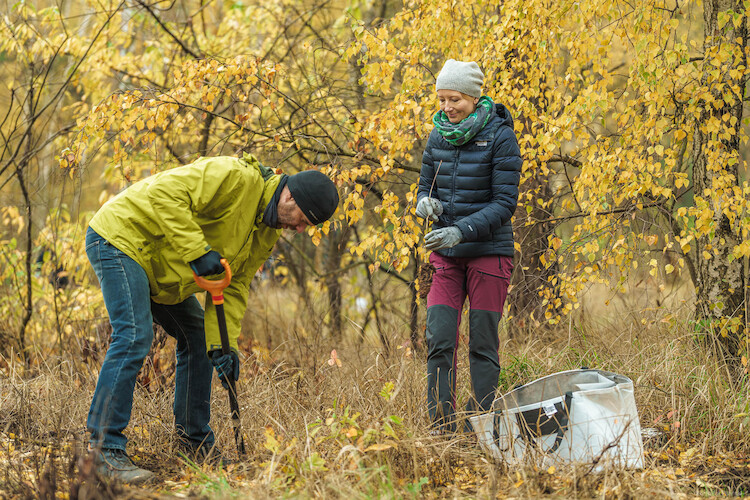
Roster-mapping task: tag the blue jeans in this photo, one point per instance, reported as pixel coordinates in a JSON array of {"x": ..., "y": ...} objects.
[{"x": 132, "y": 313}]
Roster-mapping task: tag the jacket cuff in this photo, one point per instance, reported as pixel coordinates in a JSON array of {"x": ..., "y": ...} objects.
[
  {"x": 196, "y": 254},
  {"x": 217, "y": 347},
  {"x": 233, "y": 346},
  {"x": 468, "y": 230}
]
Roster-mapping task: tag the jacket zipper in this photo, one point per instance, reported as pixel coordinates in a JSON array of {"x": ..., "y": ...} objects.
[{"x": 453, "y": 186}]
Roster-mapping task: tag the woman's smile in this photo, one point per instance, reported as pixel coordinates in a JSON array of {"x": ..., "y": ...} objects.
[{"x": 455, "y": 105}]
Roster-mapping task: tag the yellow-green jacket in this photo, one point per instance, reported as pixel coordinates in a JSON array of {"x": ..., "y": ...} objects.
[{"x": 169, "y": 219}]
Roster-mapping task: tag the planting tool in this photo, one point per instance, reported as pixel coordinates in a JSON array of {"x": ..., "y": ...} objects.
[{"x": 216, "y": 289}]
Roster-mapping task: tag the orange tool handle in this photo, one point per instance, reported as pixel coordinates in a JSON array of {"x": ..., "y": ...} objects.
[{"x": 216, "y": 287}]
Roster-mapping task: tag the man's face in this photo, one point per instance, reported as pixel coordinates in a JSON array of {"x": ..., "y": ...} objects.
[
  {"x": 290, "y": 215},
  {"x": 456, "y": 105}
]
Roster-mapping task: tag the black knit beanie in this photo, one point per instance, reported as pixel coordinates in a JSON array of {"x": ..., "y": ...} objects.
[{"x": 315, "y": 195}]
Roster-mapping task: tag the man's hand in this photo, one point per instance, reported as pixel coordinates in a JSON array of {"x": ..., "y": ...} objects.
[
  {"x": 429, "y": 208},
  {"x": 445, "y": 237},
  {"x": 207, "y": 264},
  {"x": 226, "y": 365}
]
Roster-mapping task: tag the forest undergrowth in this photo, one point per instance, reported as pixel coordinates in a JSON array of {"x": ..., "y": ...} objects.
[{"x": 347, "y": 419}]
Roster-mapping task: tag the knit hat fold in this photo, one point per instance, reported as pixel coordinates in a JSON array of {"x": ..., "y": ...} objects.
[
  {"x": 465, "y": 77},
  {"x": 315, "y": 194}
]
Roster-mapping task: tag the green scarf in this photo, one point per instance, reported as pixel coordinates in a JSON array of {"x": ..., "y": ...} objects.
[{"x": 462, "y": 132}]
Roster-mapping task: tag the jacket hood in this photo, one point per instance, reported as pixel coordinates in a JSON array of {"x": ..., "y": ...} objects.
[{"x": 504, "y": 114}]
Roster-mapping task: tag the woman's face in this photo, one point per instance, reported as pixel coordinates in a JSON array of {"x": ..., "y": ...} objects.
[{"x": 456, "y": 105}]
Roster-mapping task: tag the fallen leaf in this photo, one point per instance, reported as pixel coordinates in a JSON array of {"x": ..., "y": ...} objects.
[
  {"x": 334, "y": 360},
  {"x": 378, "y": 447}
]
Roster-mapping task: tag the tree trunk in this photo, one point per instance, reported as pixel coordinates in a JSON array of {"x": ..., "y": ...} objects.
[
  {"x": 719, "y": 278},
  {"x": 26, "y": 298},
  {"x": 337, "y": 240},
  {"x": 415, "y": 334},
  {"x": 530, "y": 274}
]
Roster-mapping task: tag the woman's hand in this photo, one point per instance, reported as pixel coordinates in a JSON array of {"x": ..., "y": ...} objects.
[
  {"x": 445, "y": 237},
  {"x": 429, "y": 208}
]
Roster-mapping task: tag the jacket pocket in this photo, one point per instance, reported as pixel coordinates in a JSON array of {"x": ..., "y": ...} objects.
[{"x": 162, "y": 278}]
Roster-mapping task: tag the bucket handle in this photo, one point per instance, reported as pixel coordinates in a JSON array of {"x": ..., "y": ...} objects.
[{"x": 528, "y": 433}]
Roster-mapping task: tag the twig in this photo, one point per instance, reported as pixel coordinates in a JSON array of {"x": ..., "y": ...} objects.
[
  {"x": 164, "y": 27},
  {"x": 429, "y": 195},
  {"x": 434, "y": 178},
  {"x": 609, "y": 446}
]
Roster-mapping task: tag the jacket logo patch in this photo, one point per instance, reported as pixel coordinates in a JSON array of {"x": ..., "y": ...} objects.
[{"x": 481, "y": 144}]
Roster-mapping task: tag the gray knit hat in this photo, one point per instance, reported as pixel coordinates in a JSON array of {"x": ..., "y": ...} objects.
[{"x": 465, "y": 77}]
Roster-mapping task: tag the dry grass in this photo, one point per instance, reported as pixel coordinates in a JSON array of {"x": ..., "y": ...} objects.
[{"x": 297, "y": 410}]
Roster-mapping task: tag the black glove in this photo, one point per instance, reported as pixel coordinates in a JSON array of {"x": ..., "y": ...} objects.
[
  {"x": 225, "y": 365},
  {"x": 207, "y": 264}
]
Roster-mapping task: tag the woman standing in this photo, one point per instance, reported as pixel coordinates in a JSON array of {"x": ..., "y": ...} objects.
[{"x": 468, "y": 187}]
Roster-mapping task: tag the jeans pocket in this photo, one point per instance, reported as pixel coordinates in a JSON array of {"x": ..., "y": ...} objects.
[{"x": 93, "y": 252}]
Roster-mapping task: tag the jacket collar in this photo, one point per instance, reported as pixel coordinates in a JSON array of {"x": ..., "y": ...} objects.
[
  {"x": 269, "y": 188},
  {"x": 270, "y": 183}
]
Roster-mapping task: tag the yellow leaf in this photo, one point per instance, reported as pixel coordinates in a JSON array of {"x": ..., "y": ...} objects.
[{"x": 551, "y": 470}]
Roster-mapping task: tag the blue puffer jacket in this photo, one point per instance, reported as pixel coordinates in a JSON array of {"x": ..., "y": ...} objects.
[{"x": 477, "y": 183}]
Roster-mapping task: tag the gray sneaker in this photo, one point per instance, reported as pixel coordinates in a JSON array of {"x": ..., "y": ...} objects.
[{"x": 116, "y": 464}]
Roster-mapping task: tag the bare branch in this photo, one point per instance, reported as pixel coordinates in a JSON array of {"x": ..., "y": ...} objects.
[{"x": 164, "y": 27}]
